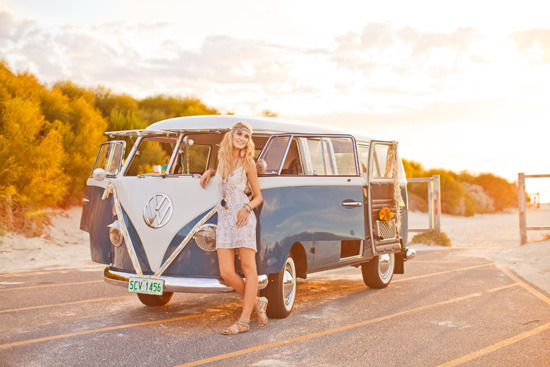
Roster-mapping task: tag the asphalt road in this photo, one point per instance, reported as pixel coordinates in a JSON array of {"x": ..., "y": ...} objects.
[{"x": 441, "y": 312}]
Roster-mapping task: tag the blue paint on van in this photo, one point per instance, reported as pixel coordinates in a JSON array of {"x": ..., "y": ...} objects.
[
  {"x": 121, "y": 259},
  {"x": 101, "y": 211}
]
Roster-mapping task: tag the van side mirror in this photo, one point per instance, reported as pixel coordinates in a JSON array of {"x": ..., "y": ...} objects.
[{"x": 99, "y": 174}]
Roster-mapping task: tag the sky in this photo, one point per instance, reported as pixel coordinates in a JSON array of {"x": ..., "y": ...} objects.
[{"x": 462, "y": 85}]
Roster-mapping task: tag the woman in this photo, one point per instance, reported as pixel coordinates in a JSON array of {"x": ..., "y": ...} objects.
[{"x": 236, "y": 222}]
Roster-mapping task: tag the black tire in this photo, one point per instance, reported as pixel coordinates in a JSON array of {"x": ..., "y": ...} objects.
[
  {"x": 281, "y": 290},
  {"x": 155, "y": 301},
  {"x": 378, "y": 272}
]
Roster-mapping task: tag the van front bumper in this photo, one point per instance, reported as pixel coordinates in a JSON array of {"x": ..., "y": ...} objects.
[{"x": 178, "y": 284}]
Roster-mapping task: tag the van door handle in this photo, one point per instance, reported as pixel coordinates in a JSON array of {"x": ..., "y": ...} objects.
[{"x": 350, "y": 203}]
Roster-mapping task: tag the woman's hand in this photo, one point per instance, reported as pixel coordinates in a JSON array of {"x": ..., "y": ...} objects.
[
  {"x": 205, "y": 178},
  {"x": 242, "y": 217}
]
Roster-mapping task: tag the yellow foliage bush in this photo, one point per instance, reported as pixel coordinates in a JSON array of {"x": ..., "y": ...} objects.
[
  {"x": 49, "y": 138},
  {"x": 463, "y": 194}
]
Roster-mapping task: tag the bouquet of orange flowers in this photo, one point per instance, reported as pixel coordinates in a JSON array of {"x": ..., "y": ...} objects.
[{"x": 385, "y": 214}]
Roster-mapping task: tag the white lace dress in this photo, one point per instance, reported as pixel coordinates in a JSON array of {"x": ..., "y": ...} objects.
[{"x": 228, "y": 235}]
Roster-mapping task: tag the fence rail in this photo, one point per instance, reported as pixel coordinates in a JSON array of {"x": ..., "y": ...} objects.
[
  {"x": 522, "y": 204},
  {"x": 434, "y": 203}
]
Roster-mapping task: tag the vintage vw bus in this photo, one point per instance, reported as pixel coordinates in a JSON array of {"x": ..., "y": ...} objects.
[{"x": 332, "y": 198}]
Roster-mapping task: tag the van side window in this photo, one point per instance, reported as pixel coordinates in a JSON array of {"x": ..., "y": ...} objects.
[
  {"x": 332, "y": 156},
  {"x": 321, "y": 163},
  {"x": 275, "y": 153},
  {"x": 293, "y": 163},
  {"x": 363, "y": 151},
  {"x": 344, "y": 156},
  {"x": 110, "y": 157},
  {"x": 382, "y": 162}
]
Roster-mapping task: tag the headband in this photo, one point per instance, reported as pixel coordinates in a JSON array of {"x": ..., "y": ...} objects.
[{"x": 237, "y": 128}]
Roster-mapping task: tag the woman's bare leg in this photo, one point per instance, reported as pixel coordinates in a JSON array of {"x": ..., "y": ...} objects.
[
  {"x": 226, "y": 260},
  {"x": 248, "y": 265}
]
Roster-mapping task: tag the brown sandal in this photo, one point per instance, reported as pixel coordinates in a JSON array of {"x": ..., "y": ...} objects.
[
  {"x": 261, "y": 307},
  {"x": 240, "y": 326}
]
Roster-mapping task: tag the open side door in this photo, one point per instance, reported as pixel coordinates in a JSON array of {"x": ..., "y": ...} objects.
[
  {"x": 381, "y": 181},
  {"x": 97, "y": 213}
]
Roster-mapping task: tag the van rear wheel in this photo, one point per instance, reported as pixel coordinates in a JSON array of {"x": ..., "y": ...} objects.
[
  {"x": 153, "y": 300},
  {"x": 281, "y": 290},
  {"x": 378, "y": 272}
]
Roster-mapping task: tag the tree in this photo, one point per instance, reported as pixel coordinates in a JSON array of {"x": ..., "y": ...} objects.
[
  {"x": 83, "y": 132},
  {"x": 31, "y": 157}
]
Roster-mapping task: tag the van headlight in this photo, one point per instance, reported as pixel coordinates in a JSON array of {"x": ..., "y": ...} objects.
[
  {"x": 206, "y": 237},
  {"x": 115, "y": 234}
]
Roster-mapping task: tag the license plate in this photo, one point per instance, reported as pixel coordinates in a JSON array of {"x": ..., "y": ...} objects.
[{"x": 146, "y": 285}]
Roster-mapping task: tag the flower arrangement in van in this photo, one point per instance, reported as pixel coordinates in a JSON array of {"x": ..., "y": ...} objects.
[{"x": 385, "y": 214}]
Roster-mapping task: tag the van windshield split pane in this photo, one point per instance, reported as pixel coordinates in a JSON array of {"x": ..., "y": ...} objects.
[{"x": 150, "y": 153}]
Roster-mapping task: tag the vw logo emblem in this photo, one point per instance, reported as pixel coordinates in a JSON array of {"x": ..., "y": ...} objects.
[{"x": 158, "y": 210}]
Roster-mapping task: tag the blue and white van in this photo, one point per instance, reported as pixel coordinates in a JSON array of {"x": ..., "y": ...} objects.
[{"x": 331, "y": 198}]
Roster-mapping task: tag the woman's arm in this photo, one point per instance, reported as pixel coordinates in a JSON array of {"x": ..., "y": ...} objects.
[
  {"x": 206, "y": 177},
  {"x": 252, "y": 175}
]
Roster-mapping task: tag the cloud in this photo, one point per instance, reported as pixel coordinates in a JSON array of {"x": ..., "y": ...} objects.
[
  {"x": 141, "y": 59},
  {"x": 380, "y": 68},
  {"x": 225, "y": 59},
  {"x": 404, "y": 51},
  {"x": 534, "y": 45},
  {"x": 12, "y": 28}
]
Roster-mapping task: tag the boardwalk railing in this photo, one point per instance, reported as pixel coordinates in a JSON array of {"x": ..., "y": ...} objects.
[
  {"x": 522, "y": 204},
  {"x": 434, "y": 203}
]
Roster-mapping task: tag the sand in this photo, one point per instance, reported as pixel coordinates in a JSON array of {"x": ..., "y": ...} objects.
[
  {"x": 491, "y": 236},
  {"x": 496, "y": 237},
  {"x": 64, "y": 246}
]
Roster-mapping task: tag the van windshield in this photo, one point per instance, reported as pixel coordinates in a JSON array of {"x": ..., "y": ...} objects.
[
  {"x": 195, "y": 154},
  {"x": 152, "y": 154}
]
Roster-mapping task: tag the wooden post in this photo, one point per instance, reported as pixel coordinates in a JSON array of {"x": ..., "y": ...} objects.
[
  {"x": 431, "y": 205},
  {"x": 521, "y": 205},
  {"x": 437, "y": 203}
]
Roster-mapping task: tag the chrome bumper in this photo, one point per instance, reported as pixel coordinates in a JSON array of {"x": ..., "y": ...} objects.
[{"x": 178, "y": 284}]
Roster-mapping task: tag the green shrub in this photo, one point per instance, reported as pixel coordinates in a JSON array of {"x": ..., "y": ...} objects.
[{"x": 432, "y": 238}]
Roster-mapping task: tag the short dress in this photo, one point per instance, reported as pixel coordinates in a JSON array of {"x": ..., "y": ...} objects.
[{"x": 228, "y": 235}]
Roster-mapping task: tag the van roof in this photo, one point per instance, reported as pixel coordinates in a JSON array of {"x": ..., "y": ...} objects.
[{"x": 259, "y": 124}]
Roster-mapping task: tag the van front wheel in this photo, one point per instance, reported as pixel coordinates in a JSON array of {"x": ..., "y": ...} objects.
[
  {"x": 152, "y": 300},
  {"x": 378, "y": 272},
  {"x": 281, "y": 290}
]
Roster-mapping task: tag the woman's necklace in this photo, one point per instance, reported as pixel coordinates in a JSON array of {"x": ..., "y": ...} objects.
[{"x": 223, "y": 203}]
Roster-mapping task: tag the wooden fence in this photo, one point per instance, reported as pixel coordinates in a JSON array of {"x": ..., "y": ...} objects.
[
  {"x": 522, "y": 204},
  {"x": 434, "y": 204}
]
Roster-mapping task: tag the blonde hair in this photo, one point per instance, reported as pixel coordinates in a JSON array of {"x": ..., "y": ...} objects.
[{"x": 226, "y": 147}]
